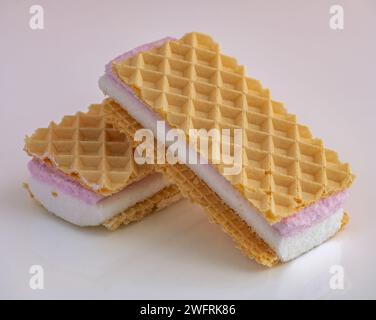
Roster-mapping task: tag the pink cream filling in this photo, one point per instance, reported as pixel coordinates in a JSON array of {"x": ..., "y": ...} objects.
[
  {"x": 288, "y": 226},
  {"x": 62, "y": 182},
  {"x": 315, "y": 213}
]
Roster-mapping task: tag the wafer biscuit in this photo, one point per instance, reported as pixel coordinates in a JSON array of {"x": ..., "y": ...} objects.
[
  {"x": 77, "y": 171},
  {"x": 290, "y": 189}
]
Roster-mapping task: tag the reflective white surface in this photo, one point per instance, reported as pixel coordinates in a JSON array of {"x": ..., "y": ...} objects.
[{"x": 326, "y": 77}]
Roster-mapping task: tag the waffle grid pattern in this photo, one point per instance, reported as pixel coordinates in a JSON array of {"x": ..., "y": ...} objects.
[
  {"x": 88, "y": 149},
  {"x": 191, "y": 85}
]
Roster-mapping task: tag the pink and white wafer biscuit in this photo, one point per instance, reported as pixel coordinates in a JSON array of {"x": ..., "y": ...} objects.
[
  {"x": 290, "y": 190},
  {"x": 83, "y": 171}
]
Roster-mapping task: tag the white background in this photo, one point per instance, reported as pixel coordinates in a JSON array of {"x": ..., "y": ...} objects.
[{"x": 326, "y": 77}]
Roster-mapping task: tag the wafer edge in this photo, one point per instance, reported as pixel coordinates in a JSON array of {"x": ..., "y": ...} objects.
[{"x": 158, "y": 201}]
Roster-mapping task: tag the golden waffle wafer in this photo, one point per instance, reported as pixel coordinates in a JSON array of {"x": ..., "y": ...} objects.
[
  {"x": 88, "y": 149},
  {"x": 192, "y": 85}
]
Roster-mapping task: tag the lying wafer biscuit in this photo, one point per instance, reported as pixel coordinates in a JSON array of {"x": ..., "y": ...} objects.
[
  {"x": 289, "y": 191},
  {"x": 83, "y": 171}
]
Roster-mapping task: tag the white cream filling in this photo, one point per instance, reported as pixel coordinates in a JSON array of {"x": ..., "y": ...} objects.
[
  {"x": 286, "y": 248},
  {"x": 81, "y": 213}
]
